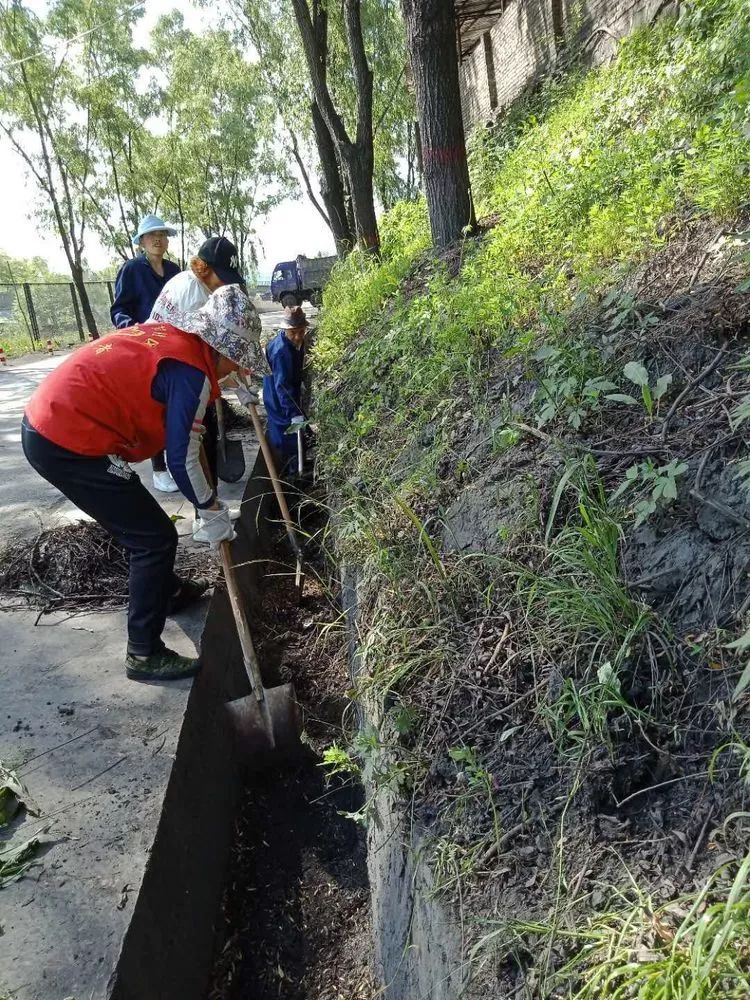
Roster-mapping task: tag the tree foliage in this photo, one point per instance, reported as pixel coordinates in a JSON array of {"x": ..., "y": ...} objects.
[
  {"x": 108, "y": 132},
  {"x": 270, "y": 28}
]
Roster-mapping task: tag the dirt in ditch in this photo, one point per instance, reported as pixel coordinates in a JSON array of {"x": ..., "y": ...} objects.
[{"x": 296, "y": 921}]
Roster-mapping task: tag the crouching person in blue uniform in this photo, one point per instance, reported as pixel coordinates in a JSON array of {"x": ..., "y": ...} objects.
[{"x": 282, "y": 389}]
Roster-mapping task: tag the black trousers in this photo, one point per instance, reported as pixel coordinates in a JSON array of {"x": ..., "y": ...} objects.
[{"x": 111, "y": 493}]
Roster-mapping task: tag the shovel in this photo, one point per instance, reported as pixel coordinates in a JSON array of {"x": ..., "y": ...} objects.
[
  {"x": 267, "y": 719},
  {"x": 231, "y": 459},
  {"x": 277, "y": 488}
]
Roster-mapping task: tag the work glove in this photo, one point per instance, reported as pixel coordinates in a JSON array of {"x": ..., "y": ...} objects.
[
  {"x": 218, "y": 525},
  {"x": 297, "y": 424},
  {"x": 246, "y": 395}
]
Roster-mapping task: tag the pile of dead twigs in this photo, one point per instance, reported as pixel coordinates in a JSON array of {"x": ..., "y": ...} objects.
[{"x": 79, "y": 567}]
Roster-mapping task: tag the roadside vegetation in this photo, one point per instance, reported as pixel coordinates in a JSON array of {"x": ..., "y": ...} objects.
[{"x": 534, "y": 449}]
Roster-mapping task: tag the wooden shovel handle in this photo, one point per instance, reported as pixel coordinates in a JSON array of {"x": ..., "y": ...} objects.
[
  {"x": 271, "y": 466},
  {"x": 249, "y": 657}
]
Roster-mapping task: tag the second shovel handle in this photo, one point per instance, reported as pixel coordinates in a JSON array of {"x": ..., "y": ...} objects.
[
  {"x": 249, "y": 657},
  {"x": 271, "y": 466}
]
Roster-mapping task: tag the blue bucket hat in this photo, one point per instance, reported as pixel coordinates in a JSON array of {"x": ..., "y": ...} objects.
[{"x": 152, "y": 224}]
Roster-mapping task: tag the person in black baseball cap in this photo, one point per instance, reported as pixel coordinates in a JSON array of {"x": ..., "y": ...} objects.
[
  {"x": 216, "y": 264},
  {"x": 223, "y": 259}
]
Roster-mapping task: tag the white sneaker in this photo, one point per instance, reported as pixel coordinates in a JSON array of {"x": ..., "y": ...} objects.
[{"x": 164, "y": 483}]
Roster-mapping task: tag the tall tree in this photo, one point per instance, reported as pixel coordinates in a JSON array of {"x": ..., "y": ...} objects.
[
  {"x": 105, "y": 75},
  {"x": 272, "y": 32},
  {"x": 36, "y": 88},
  {"x": 431, "y": 41},
  {"x": 357, "y": 155},
  {"x": 218, "y": 168}
]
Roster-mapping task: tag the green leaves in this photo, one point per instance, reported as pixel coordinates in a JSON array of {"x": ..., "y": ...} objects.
[
  {"x": 13, "y": 796},
  {"x": 637, "y": 373},
  {"x": 741, "y": 645},
  {"x": 659, "y": 483}
]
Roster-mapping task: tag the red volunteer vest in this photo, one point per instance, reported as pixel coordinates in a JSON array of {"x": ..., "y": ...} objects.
[{"x": 98, "y": 401}]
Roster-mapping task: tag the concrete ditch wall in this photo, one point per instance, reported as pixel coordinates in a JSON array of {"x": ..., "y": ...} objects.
[
  {"x": 417, "y": 941},
  {"x": 168, "y": 949}
]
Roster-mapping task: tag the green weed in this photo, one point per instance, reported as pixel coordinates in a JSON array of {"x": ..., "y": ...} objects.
[
  {"x": 575, "y": 597},
  {"x": 694, "y": 948},
  {"x": 586, "y": 714},
  {"x": 656, "y": 485}
]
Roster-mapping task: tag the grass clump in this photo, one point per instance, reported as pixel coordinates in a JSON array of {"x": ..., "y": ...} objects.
[{"x": 692, "y": 948}]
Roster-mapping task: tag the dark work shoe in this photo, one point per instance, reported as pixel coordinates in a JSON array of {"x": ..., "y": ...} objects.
[
  {"x": 189, "y": 592},
  {"x": 164, "y": 665}
]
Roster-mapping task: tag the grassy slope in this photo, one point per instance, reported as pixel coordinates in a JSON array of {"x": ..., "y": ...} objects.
[{"x": 586, "y": 183}]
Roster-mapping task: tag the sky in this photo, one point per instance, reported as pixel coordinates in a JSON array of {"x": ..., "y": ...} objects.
[{"x": 292, "y": 228}]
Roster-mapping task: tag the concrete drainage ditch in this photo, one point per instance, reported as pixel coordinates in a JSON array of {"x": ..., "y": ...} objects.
[{"x": 256, "y": 884}]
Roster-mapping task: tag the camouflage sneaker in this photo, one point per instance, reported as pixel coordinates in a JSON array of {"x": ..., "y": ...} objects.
[
  {"x": 189, "y": 592},
  {"x": 164, "y": 665}
]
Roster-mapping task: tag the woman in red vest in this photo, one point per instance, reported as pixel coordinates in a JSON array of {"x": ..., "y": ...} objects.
[{"x": 122, "y": 399}]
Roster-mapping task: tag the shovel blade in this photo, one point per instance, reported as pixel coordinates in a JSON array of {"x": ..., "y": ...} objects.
[
  {"x": 230, "y": 464},
  {"x": 267, "y": 729}
]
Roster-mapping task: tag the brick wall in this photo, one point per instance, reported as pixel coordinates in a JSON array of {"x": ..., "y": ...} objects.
[{"x": 521, "y": 45}]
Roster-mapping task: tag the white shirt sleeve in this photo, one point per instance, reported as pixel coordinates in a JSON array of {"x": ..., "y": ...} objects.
[{"x": 182, "y": 294}]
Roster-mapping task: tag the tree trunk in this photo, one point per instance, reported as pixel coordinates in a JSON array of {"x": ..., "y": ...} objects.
[
  {"x": 431, "y": 42},
  {"x": 359, "y": 172},
  {"x": 357, "y": 157},
  {"x": 331, "y": 185},
  {"x": 76, "y": 273}
]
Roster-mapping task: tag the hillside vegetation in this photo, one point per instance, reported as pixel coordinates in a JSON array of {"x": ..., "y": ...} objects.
[{"x": 534, "y": 445}]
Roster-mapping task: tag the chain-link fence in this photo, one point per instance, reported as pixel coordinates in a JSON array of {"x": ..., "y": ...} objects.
[{"x": 31, "y": 313}]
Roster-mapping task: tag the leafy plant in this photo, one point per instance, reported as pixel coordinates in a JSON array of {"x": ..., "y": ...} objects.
[
  {"x": 13, "y": 796},
  {"x": 478, "y": 781},
  {"x": 693, "y": 949},
  {"x": 659, "y": 481},
  {"x": 16, "y": 859},
  {"x": 637, "y": 373},
  {"x": 566, "y": 390},
  {"x": 576, "y": 598},
  {"x": 741, "y": 645},
  {"x": 336, "y": 760},
  {"x": 583, "y": 713}
]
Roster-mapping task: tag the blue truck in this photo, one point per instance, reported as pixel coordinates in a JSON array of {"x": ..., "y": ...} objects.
[{"x": 301, "y": 280}]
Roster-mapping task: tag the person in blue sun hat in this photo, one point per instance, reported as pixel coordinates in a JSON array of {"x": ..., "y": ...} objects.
[
  {"x": 137, "y": 287},
  {"x": 140, "y": 280}
]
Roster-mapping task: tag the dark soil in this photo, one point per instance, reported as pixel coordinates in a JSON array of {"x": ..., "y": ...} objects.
[
  {"x": 80, "y": 567},
  {"x": 296, "y": 909},
  {"x": 235, "y": 417},
  {"x": 646, "y": 804}
]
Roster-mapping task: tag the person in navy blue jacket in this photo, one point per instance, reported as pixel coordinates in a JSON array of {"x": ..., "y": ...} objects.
[
  {"x": 140, "y": 281},
  {"x": 137, "y": 287},
  {"x": 282, "y": 389}
]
